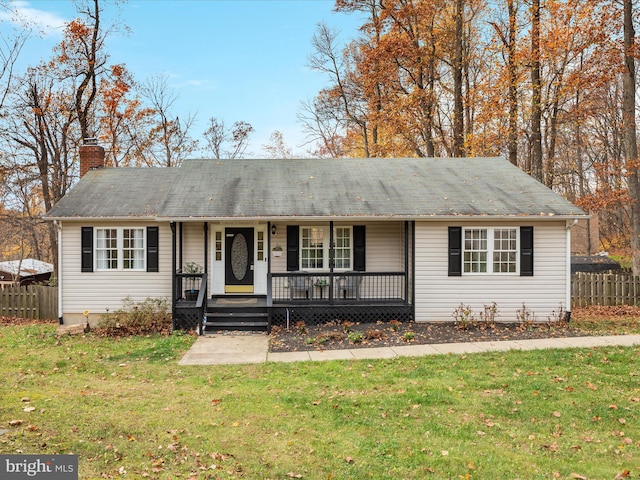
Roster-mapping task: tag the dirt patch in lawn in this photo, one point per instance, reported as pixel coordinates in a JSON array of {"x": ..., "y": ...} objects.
[{"x": 343, "y": 335}]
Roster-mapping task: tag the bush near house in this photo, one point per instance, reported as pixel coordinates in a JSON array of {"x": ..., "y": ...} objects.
[{"x": 153, "y": 315}]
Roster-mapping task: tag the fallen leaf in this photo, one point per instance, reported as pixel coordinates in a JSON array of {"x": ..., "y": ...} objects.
[
  {"x": 15, "y": 423},
  {"x": 622, "y": 421},
  {"x": 591, "y": 386},
  {"x": 348, "y": 459},
  {"x": 623, "y": 474},
  {"x": 294, "y": 475},
  {"x": 29, "y": 409},
  {"x": 578, "y": 476},
  {"x": 556, "y": 414}
]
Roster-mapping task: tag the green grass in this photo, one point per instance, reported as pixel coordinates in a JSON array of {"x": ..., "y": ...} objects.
[{"x": 130, "y": 411}]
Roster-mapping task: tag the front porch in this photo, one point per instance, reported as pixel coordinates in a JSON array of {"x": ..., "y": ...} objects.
[
  {"x": 312, "y": 298},
  {"x": 247, "y": 288}
]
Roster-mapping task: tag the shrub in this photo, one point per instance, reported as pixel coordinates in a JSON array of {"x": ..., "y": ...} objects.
[
  {"x": 355, "y": 337},
  {"x": 408, "y": 336},
  {"x": 373, "y": 334},
  {"x": 152, "y": 315},
  {"x": 395, "y": 325},
  {"x": 525, "y": 315},
  {"x": 488, "y": 316},
  {"x": 463, "y": 316},
  {"x": 557, "y": 316},
  {"x": 300, "y": 327}
]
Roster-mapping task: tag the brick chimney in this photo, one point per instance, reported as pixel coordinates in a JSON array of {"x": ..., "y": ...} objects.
[{"x": 91, "y": 156}]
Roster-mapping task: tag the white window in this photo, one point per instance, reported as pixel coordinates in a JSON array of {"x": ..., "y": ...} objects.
[
  {"x": 343, "y": 248},
  {"x": 106, "y": 249},
  {"x": 314, "y": 248},
  {"x": 120, "y": 248},
  {"x": 133, "y": 248},
  {"x": 490, "y": 250}
]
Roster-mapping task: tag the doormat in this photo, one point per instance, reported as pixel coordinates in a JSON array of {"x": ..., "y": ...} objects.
[{"x": 237, "y": 301}]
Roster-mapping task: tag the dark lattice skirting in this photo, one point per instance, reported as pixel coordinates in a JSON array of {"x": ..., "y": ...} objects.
[
  {"x": 187, "y": 318},
  {"x": 318, "y": 315},
  {"x": 190, "y": 318}
]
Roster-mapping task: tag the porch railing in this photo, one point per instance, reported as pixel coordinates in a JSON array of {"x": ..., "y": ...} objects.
[
  {"x": 338, "y": 287},
  {"x": 191, "y": 301},
  {"x": 188, "y": 285}
]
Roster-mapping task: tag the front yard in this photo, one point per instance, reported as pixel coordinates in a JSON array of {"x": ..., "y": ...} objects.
[{"x": 129, "y": 411}]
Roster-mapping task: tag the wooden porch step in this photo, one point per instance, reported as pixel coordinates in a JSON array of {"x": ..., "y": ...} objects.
[{"x": 236, "y": 321}]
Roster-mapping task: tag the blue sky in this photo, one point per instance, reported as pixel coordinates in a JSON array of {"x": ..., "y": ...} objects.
[{"x": 230, "y": 59}]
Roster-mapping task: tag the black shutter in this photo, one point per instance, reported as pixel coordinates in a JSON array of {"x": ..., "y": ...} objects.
[
  {"x": 455, "y": 251},
  {"x": 359, "y": 248},
  {"x": 86, "y": 252},
  {"x": 293, "y": 248},
  {"x": 526, "y": 251},
  {"x": 152, "y": 249}
]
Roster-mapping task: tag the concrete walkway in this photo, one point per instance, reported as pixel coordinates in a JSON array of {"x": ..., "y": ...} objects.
[{"x": 254, "y": 348}]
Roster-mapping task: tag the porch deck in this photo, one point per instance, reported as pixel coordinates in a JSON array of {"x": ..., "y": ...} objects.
[{"x": 300, "y": 297}]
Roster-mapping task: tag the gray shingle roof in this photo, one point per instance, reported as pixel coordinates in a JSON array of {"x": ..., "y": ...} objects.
[{"x": 409, "y": 188}]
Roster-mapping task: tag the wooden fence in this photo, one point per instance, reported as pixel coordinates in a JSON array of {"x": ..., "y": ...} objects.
[
  {"x": 33, "y": 301},
  {"x": 604, "y": 289}
]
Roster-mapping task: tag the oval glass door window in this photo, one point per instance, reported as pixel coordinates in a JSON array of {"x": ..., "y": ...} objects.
[{"x": 239, "y": 256}]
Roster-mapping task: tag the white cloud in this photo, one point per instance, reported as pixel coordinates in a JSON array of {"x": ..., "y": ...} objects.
[{"x": 23, "y": 15}]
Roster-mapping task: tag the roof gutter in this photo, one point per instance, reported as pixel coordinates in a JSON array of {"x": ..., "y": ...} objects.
[
  {"x": 104, "y": 219},
  {"x": 320, "y": 218}
]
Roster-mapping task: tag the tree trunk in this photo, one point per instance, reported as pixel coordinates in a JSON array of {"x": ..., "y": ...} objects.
[
  {"x": 536, "y": 94},
  {"x": 512, "y": 139},
  {"x": 458, "y": 107},
  {"x": 629, "y": 125}
]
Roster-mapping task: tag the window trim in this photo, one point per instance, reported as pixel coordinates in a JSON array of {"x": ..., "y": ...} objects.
[
  {"x": 490, "y": 251},
  {"x": 120, "y": 250}
]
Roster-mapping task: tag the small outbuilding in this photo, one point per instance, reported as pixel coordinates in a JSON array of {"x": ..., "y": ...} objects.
[
  {"x": 24, "y": 272},
  {"x": 594, "y": 264}
]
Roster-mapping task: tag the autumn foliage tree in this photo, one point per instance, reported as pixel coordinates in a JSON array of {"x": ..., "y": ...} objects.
[{"x": 538, "y": 82}]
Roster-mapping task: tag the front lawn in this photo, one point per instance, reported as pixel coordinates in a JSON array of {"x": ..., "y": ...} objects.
[{"x": 129, "y": 411}]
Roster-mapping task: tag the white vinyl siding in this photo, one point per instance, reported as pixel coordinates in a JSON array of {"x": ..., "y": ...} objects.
[
  {"x": 437, "y": 294},
  {"x": 98, "y": 291}
]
